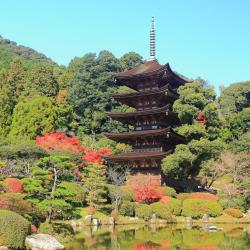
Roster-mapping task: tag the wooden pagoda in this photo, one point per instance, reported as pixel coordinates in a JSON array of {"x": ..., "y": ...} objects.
[{"x": 152, "y": 137}]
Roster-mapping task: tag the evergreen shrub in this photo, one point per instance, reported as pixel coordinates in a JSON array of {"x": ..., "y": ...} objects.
[
  {"x": 161, "y": 211},
  {"x": 143, "y": 211},
  {"x": 196, "y": 208},
  {"x": 127, "y": 208},
  {"x": 236, "y": 213},
  {"x": 170, "y": 191},
  {"x": 172, "y": 205},
  {"x": 13, "y": 229}
]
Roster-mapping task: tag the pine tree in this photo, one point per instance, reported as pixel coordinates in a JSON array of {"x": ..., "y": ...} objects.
[{"x": 94, "y": 181}]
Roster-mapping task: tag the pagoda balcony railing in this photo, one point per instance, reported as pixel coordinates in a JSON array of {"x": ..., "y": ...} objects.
[
  {"x": 149, "y": 106},
  {"x": 147, "y": 127},
  {"x": 147, "y": 148}
]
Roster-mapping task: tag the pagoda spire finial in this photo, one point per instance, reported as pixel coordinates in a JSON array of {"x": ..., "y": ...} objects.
[{"x": 152, "y": 40}]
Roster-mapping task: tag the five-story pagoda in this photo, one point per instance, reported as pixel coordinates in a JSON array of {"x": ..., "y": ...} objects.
[{"x": 152, "y": 138}]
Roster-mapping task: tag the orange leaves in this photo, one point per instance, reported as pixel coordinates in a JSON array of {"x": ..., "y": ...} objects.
[
  {"x": 13, "y": 185},
  {"x": 58, "y": 141},
  {"x": 197, "y": 195},
  {"x": 145, "y": 188},
  {"x": 165, "y": 200},
  {"x": 95, "y": 156}
]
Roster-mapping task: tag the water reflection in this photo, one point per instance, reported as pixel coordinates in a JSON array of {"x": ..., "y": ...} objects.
[{"x": 230, "y": 237}]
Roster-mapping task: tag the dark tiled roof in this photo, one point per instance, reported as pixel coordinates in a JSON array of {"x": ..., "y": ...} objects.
[
  {"x": 130, "y": 156},
  {"x": 148, "y": 67},
  {"x": 141, "y": 112}
]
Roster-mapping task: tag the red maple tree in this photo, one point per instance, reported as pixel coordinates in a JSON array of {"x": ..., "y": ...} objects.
[
  {"x": 13, "y": 185},
  {"x": 58, "y": 141},
  {"x": 146, "y": 189}
]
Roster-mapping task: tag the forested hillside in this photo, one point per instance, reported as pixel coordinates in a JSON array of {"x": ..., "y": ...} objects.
[{"x": 9, "y": 50}]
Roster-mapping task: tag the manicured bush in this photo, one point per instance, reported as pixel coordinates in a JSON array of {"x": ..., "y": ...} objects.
[
  {"x": 161, "y": 211},
  {"x": 175, "y": 206},
  {"x": 13, "y": 229},
  {"x": 182, "y": 196},
  {"x": 127, "y": 208},
  {"x": 196, "y": 208},
  {"x": 13, "y": 185},
  {"x": 233, "y": 212},
  {"x": 127, "y": 193},
  {"x": 146, "y": 188},
  {"x": 169, "y": 191},
  {"x": 172, "y": 205},
  {"x": 16, "y": 203},
  {"x": 203, "y": 196},
  {"x": 197, "y": 195},
  {"x": 143, "y": 211}
]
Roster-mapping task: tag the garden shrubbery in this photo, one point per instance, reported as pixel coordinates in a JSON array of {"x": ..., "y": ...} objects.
[
  {"x": 169, "y": 191},
  {"x": 196, "y": 208},
  {"x": 161, "y": 211},
  {"x": 13, "y": 229},
  {"x": 172, "y": 205},
  {"x": 143, "y": 211},
  {"x": 197, "y": 195},
  {"x": 236, "y": 213},
  {"x": 127, "y": 208}
]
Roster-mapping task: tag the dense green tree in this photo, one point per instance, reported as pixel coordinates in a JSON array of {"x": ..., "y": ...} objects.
[
  {"x": 130, "y": 60},
  {"x": 94, "y": 182},
  {"x": 203, "y": 145},
  {"x": 46, "y": 185},
  {"x": 194, "y": 97},
  {"x": 89, "y": 90},
  {"x": 33, "y": 116},
  {"x": 187, "y": 160},
  {"x": 235, "y": 98},
  {"x": 41, "y": 78}
]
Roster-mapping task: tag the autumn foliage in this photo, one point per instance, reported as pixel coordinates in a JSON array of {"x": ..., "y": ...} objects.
[
  {"x": 95, "y": 156},
  {"x": 58, "y": 141},
  {"x": 165, "y": 200},
  {"x": 13, "y": 185},
  {"x": 146, "y": 189},
  {"x": 197, "y": 195},
  {"x": 201, "y": 118}
]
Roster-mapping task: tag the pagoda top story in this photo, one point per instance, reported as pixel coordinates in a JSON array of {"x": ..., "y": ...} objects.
[{"x": 147, "y": 71}]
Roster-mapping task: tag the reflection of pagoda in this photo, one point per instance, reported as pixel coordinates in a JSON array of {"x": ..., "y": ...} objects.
[{"x": 153, "y": 137}]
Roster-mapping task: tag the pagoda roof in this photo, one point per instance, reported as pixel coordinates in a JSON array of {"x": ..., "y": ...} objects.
[
  {"x": 163, "y": 134},
  {"x": 136, "y": 156},
  {"x": 149, "y": 68},
  {"x": 163, "y": 115},
  {"x": 131, "y": 99},
  {"x": 143, "y": 112}
]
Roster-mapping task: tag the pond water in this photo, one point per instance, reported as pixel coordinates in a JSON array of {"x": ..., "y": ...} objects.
[{"x": 229, "y": 237}]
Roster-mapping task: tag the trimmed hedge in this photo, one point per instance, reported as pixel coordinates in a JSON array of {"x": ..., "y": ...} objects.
[
  {"x": 169, "y": 191},
  {"x": 196, "y": 208},
  {"x": 197, "y": 195},
  {"x": 13, "y": 229},
  {"x": 175, "y": 206},
  {"x": 127, "y": 208},
  {"x": 161, "y": 211},
  {"x": 143, "y": 211},
  {"x": 236, "y": 213},
  {"x": 172, "y": 205}
]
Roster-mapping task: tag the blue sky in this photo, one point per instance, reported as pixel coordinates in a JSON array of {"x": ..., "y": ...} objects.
[{"x": 199, "y": 38}]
